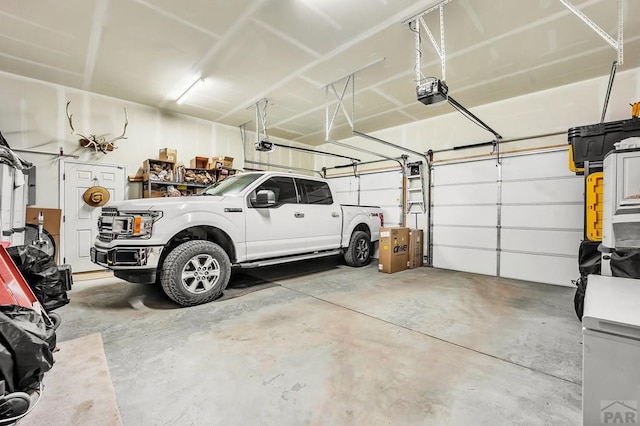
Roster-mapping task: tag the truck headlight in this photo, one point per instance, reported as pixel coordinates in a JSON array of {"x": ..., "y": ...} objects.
[{"x": 135, "y": 225}]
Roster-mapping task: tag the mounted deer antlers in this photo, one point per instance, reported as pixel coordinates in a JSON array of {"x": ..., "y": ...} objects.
[{"x": 98, "y": 143}]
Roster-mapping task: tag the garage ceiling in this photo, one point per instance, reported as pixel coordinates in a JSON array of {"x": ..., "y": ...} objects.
[{"x": 149, "y": 51}]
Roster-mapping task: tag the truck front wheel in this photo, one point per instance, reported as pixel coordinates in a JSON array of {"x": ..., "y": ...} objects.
[
  {"x": 359, "y": 251},
  {"x": 195, "y": 272}
]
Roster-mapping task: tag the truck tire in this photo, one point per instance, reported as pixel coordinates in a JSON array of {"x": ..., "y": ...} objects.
[
  {"x": 359, "y": 251},
  {"x": 195, "y": 272}
]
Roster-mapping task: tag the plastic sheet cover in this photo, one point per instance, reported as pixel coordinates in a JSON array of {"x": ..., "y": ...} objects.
[
  {"x": 589, "y": 262},
  {"x": 7, "y": 156},
  {"x": 42, "y": 274},
  {"x": 24, "y": 352},
  {"x": 625, "y": 264},
  {"x": 589, "y": 258}
]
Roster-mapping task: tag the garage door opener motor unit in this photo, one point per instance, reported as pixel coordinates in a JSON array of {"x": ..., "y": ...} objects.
[
  {"x": 264, "y": 146},
  {"x": 432, "y": 91}
]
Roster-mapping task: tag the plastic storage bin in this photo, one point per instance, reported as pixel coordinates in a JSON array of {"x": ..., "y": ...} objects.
[{"x": 594, "y": 141}]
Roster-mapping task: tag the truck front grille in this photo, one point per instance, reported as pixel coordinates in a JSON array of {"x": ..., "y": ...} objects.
[{"x": 105, "y": 237}]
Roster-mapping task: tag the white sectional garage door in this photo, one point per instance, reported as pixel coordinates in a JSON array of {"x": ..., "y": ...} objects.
[
  {"x": 382, "y": 189},
  {"x": 522, "y": 219},
  {"x": 464, "y": 212}
]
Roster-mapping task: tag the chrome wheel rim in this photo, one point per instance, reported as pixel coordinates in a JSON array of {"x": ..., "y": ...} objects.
[
  {"x": 362, "y": 250},
  {"x": 200, "y": 274}
]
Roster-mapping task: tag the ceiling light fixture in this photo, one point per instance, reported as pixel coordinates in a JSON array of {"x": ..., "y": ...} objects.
[{"x": 189, "y": 90}]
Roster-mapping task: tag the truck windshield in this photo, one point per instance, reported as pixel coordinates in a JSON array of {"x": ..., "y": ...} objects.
[{"x": 232, "y": 185}]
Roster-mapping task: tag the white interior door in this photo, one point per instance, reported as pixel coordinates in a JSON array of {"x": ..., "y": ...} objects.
[{"x": 79, "y": 219}]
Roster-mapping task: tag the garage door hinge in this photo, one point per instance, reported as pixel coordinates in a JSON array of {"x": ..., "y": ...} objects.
[
  {"x": 63, "y": 218},
  {"x": 64, "y": 260},
  {"x": 64, "y": 176}
]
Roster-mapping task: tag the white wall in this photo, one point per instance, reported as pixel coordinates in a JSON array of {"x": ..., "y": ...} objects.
[
  {"x": 549, "y": 111},
  {"x": 32, "y": 117}
]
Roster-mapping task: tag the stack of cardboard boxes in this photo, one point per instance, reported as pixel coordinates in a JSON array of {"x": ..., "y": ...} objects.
[
  {"x": 216, "y": 162},
  {"x": 400, "y": 248}
]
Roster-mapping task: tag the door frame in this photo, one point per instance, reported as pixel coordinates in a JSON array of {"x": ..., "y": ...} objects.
[{"x": 61, "y": 167}]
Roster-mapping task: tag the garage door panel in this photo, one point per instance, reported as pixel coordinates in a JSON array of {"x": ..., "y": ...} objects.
[
  {"x": 468, "y": 260},
  {"x": 543, "y": 191},
  {"x": 348, "y": 183},
  {"x": 541, "y": 241},
  {"x": 385, "y": 197},
  {"x": 382, "y": 180},
  {"x": 465, "y": 215},
  {"x": 345, "y": 190},
  {"x": 470, "y": 237},
  {"x": 486, "y": 193},
  {"x": 543, "y": 216},
  {"x": 474, "y": 171},
  {"x": 392, "y": 217},
  {"x": 344, "y": 184},
  {"x": 541, "y": 165},
  {"x": 345, "y": 198},
  {"x": 541, "y": 269},
  {"x": 383, "y": 189}
]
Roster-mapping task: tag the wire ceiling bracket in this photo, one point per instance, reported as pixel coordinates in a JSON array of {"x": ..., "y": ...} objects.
[
  {"x": 262, "y": 138},
  {"x": 616, "y": 44},
  {"x": 339, "y": 104},
  {"x": 346, "y": 89},
  {"x": 332, "y": 110},
  {"x": 417, "y": 22}
]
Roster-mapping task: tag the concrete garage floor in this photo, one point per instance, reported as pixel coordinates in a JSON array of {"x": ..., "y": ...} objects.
[{"x": 329, "y": 344}]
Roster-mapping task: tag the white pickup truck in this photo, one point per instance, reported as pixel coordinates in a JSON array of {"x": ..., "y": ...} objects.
[{"x": 189, "y": 244}]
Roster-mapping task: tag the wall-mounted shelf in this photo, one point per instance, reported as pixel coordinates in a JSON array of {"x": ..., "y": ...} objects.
[{"x": 153, "y": 188}]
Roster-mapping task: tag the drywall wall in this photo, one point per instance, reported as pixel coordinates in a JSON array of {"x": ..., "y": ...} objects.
[
  {"x": 549, "y": 111},
  {"x": 33, "y": 118}
]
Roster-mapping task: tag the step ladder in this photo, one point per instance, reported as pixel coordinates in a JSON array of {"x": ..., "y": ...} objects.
[{"x": 416, "y": 196}]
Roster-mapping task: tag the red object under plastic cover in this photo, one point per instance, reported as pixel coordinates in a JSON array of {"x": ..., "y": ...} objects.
[{"x": 14, "y": 290}]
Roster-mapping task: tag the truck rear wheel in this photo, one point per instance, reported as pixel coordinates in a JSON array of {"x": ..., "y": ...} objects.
[
  {"x": 359, "y": 251},
  {"x": 195, "y": 272}
]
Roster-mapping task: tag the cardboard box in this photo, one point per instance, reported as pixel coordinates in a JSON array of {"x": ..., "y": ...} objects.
[
  {"x": 154, "y": 193},
  {"x": 168, "y": 154},
  {"x": 51, "y": 223},
  {"x": 52, "y": 218},
  {"x": 416, "y": 248},
  {"x": 199, "y": 162},
  {"x": 158, "y": 170},
  {"x": 394, "y": 250},
  {"x": 222, "y": 161}
]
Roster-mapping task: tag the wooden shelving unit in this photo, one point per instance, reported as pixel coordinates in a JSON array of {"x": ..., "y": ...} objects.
[{"x": 157, "y": 187}]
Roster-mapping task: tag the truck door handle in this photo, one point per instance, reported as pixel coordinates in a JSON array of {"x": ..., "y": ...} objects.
[
  {"x": 335, "y": 214},
  {"x": 298, "y": 214}
]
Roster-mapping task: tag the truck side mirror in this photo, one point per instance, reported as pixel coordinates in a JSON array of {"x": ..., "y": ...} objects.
[{"x": 265, "y": 198}]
